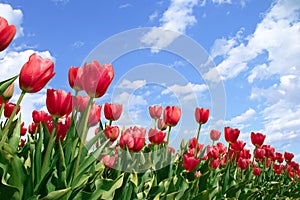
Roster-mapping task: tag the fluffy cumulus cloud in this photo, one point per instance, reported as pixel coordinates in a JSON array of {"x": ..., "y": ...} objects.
[
  {"x": 175, "y": 20},
  {"x": 12, "y": 60},
  {"x": 13, "y": 16},
  {"x": 274, "y": 49}
]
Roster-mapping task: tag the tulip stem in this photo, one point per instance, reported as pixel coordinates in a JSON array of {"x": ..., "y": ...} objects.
[
  {"x": 2, "y": 108},
  {"x": 10, "y": 120},
  {"x": 227, "y": 156},
  {"x": 254, "y": 152},
  {"x": 168, "y": 138},
  {"x": 84, "y": 134},
  {"x": 198, "y": 134}
]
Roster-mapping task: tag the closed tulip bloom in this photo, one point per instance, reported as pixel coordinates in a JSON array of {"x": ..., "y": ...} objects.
[
  {"x": 190, "y": 162},
  {"x": 161, "y": 125},
  {"x": 243, "y": 163},
  {"x": 112, "y": 132},
  {"x": 215, "y": 135},
  {"x": 58, "y": 102},
  {"x": 238, "y": 146},
  {"x": 155, "y": 111},
  {"x": 36, "y": 73},
  {"x": 256, "y": 171},
  {"x": 40, "y": 116},
  {"x": 231, "y": 135},
  {"x": 112, "y": 111},
  {"x": 257, "y": 139},
  {"x": 279, "y": 157},
  {"x": 97, "y": 78},
  {"x": 8, "y": 109},
  {"x": 22, "y": 142},
  {"x": 155, "y": 136},
  {"x": 23, "y": 130},
  {"x": 260, "y": 153},
  {"x": 95, "y": 115},
  {"x": 201, "y": 115},
  {"x": 288, "y": 156},
  {"x": 133, "y": 138},
  {"x": 62, "y": 129},
  {"x": 75, "y": 78},
  {"x": 108, "y": 161},
  {"x": 7, "y": 33},
  {"x": 32, "y": 128},
  {"x": 80, "y": 102},
  {"x": 172, "y": 115}
]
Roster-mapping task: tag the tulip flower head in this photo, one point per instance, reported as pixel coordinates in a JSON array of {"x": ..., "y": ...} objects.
[
  {"x": 75, "y": 78},
  {"x": 7, "y": 33},
  {"x": 172, "y": 115},
  {"x": 58, "y": 102},
  {"x": 201, "y": 115},
  {"x": 257, "y": 139},
  {"x": 231, "y": 135},
  {"x": 155, "y": 136},
  {"x": 36, "y": 73},
  {"x": 155, "y": 111},
  {"x": 112, "y": 111},
  {"x": 96, "y": 78},
  {"x": 215, "y": 135}
]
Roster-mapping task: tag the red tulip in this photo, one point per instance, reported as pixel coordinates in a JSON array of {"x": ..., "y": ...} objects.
[
  {"x": 7, "y": 33},
  {"x": 23, "y": 130},
  {"x": 243, "y": 163},
  {"x": 58, "y": 102},
  {"x": 161, "y": 125},
  {"x": 190, "y": 162},
  {"x": 215, "y": 135},
  {"x": 22, "y": 142},
  {"x": 279, "y": 157},
  {"x": 201, "y": 115},
  {"x": 238, "y": 146},
  {"x": 277, "y": 168},
  {"x": 95, "y": 115},
  {"x": 257, "y": 139},
  {"x": 222, "y": 148},
  {"x": 192, "y": 144},
  {"x": 8, "y": 109},
  {"x": 214, "y": 163},
  {"x": 155, "y": 136},
  {"x": 62, "y": 129},
  {"x": 97, "y": 78},
  {"x": 80, "y": 102},
  {"x": 75, "y": 78},
  {"x": 32, "y": 128},
  {"x": 108, "y": 161},
  {"x": 288, "y": 156},
  {"x": 172, "y": 115},
  {"x": 133, "y": 138},
  {"x": 155, "y": 111},
  {"x": 112, "y": 132},
  {"x": 260, "y": 153},
  {"x": 256, "y": 171},
  {"x": 112, "y": 111},
  {"x": 40, "y": 116},
  {"x": 214, "y": 153},
  {"x": 245, "y": 153},
  {"x": 231, "y": 135},
  {"x": 36, "y": 73}
]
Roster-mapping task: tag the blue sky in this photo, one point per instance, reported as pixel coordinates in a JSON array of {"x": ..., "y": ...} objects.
[{"x": 254, "y": 46}]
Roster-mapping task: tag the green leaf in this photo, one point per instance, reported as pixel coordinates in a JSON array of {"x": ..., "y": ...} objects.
[
  {"x": 204, "y": 195},
  {"x": 14, "y": 140},
  {"x": 105, "y": 188},
  {"x": 57, "y": 195},
  {"x": 6, "y": 83}
]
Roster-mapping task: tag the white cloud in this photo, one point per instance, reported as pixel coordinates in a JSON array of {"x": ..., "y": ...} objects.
[
  {"x": 276, "y": 35},
  {"x": 62, "y": 2},
  {"x": 77, "y": 44},
  {"x": 13, "y": 16},
  {"x": 131, "y": 85},
  {"x": 153, "y": 16},
  {"x": 177, "y": 18},
  {"x": 243, "y": 118},
  {"x": 185, "y": 89},
  {"x": 221, "y": 1},
  {"x": 125, "y": 5}
]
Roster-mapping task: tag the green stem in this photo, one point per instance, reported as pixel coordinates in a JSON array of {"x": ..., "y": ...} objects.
[
  {"x": 110, "y": 122},
  {"x": 49, "y": 149},
  {"x": 84, "y": 133},
  {"x": 155, "y": 122},
  {"x": 227, "y": 156},
  {"x": 168, "y": 138},
  {"x": 254, "y": 152},
  {"x": 10, "y": 120},
  {"x": 198, "y": 134},
  {"x": 2, "y": 108}
]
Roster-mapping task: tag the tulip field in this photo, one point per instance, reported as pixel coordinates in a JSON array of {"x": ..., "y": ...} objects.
[{"x": 53, "y": 158}]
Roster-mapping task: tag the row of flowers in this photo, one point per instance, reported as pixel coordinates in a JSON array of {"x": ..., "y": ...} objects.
[{"x": 52, "y": 158}]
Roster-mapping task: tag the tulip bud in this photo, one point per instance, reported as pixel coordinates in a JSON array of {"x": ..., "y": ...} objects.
[
  {"x": 257, "y": 139},
  {"x": 156, "y": 136},
  {"x": 58, "y": 102},
  {"x": 190, "y": 162},
  {"x": 112, "y": 111},
  {"x": 95, "y": 115},
  {"x": 231, "y": 135},
  {"x": 8, "y": 109},
  {"x": 8, "y": 93},
  {"x": 215, "y": 135},
  {"x": 155, "y": 111},
  {"x": 161, "y": 125},
  {"x": 256, "y": 171},
  {"x": 172, "y": 115},
  {"x": 75, "y": 78},
  {"x": 112, "y": 132}
]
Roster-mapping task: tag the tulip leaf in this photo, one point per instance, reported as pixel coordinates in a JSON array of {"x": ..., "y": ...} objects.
[
  {"x": 105, "y": 188},
  {"x": 15, "y": 137},
  {"x": 5, "y": 84},
  {"x": 57, "y": 195}
]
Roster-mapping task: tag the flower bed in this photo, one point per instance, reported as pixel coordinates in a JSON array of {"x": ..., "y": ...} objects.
[{"x": 51, "y": 159}]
